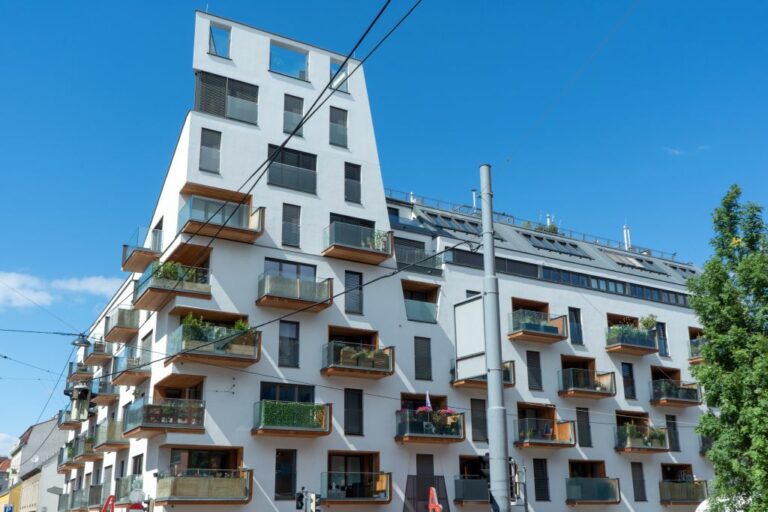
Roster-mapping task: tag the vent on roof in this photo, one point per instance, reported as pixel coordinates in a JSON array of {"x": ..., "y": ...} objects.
[
  {"x": 635, "y": 262},
  {"x": 552, "y": 244}
]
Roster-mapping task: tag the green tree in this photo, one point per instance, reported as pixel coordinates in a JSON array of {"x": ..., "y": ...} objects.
[{"x": 730, "y": 298}]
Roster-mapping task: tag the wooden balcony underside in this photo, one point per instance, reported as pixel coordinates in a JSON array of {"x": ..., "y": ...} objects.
[
  {"x": 154, "y": 299},
  {"x": 145, "y": 432},
  {"x": 89, "y": 457},
  {"x": 69, "y": 425},
  {"x": 360, "y": 373},
  {"x": 213, "y": 359},
  {"x": 131, "y": 377},
  {"x": 285, "y": 432},
  {"x": 641, "y": 449},
  {"x": 105, "y": 398},
  {"x": 575, "y": 503},
  {"x": 112, "y": 446},
  {"x": 284, "y": 303},
  {"x": 543, "y": 444},
  {"x": 119, "y": 334},
  {"x": 97, "y": 359},
  {"x": 631, "y": 350},
  {"x": 224, "y": 232},
  {"x": 675, "y": 402},
  {"x": 417, "y": 439},
  {"x": 535, "y": 336},
  {"x": 585, "y": 393},
  {"x": 351, "y": 254},
  {"x": 139, "y": 259},
  {"x": 695, "y": 360},
  {"x": 476, "y": 384}
]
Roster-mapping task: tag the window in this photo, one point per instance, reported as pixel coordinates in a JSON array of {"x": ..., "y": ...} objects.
[
  {"x": 224, "y": 97},
  {"x": 218, "y": 40},
  {"x": 340, "y": 82},
  {"x": 555, "y": 245},
  {"x": 338, "y": 127},
  {"x": 293, "y": 111},
  {"x": 479, "y": 421},
  {"x": 533, "y": 363},
  {"x": 423, "y": 358},
  {"x": 292, "y": 169},
  {"x": 210, "y": 150},
  {"x": 635, "y": 262},
  {"x": 540, "y": 480},
  {"x": 574, "y": 326},
  {"x": 628, "y": 375},
  {"x": 137, "y": 464},
  {"x": 288, "y": 61},
  {"x": 472, "y": 293},
  {"x": 291, "y": 225},
  {"x": 661, "y": 339},
  {"x": 352, "y": 183},
  {"x": 583, "y": 429},
  {"x": 288, "y": 351},
  {"x": 285, "y": 474},
  {"x": 353, "y": 299},
  {"x": 638, "y": 481},
  {"x": 673, "y": 433},
  {"x": 289, "y": 269},
  {"x": 287, "y": 392},
  {"x": 353, "y": 412}
]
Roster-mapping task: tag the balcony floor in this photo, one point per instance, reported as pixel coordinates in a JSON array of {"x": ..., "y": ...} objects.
[
  {"x": 131, "y": 377},
  {"x": 118, "y": 334},
  {"x": 675, "y": 402},
  {"x": 360, "y": 373},
  {"x": 585, "y": 393},
  {"x": 631, "y": 350},
  {"x": 287, "y": 432},
  {"x": 695, "y": 360},
  {"x": 273, "y": 301},
  {"x": 145, "y": 432},
  {"x": 105, "y": 398},
  {"x": 641, "y": 449},
  {"x": 576, "y": 503},
  {"x": 89, "y": 457},
  {"x": 154, "y": 299},
  {"x": 97, "y": 359},
  {"x": 476, "y": 384},
  {"x": 234, "y": 234},
  {"x": 139, "y": 259},
  {"x": 69, "y": 425},
  {"x": 214, "y": 359},
  {"x": 112, "y": 446},
  {"x": 417, "y": 439},
  {"x": 535, "y": 336},
  {"x": 543, "y": 444},
  {"x": 69, "y": 466},
  {"x": 352, "y": 254}
]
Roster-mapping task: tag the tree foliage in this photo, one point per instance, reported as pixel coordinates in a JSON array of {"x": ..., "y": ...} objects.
[{"x": 730, "y": 298}]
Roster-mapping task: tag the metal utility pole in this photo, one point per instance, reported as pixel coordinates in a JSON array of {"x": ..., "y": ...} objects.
[{"x": 497, "y": 413}]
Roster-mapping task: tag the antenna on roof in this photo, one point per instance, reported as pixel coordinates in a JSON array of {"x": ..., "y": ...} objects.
[
  {"x": 627, "y": 238},
  {"x": 411, "y": 197},
  {"x": 474, "y": 199}
]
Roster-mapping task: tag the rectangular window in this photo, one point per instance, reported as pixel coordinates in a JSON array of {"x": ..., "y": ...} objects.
[
  {"x": 638, "y": 481},
  {"x": 673, "y": 433},
  {"x": 218, "y": 40},
  {"x": 224, "y": 97},
  {"x": 289, "y": 269},
  {"x": 423, "y": 358},
  {"x": 353, "y": 412},
  {"x": 353, "y": 299},
  {"x": 288, "y": 351},
  {"x": 137, "y": 465},
  {"x": 352, "y": 191},
  {"x": 288, "y": 61},
  {"x": 540, "y": 480},
  {"x": 574, "y": 326},
  {"x": 533, "y": 363},
  {"x": 338, "y": 127},
  {"x": 479, "y": 422},
  {"x": 210, "y": 150},
  {"x": 292, "y": 169},
  {"x": 661, "y": 339},
  {"x": 628, "y": 376},
  {"x": 340, "y": 82},
  {"x": 291, "y": 225},
  {"x": 293, "y": 112},
  {"x": 287, "y": 392},
  {"x": 583, "y": 428},
  {"x": 285, "y": 474}
]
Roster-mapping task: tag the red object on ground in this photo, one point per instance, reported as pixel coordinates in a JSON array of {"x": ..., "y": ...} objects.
[
  {"x": 434, "y": 506},
  {"x": 109, "y": 506},
  {"x": 136, "y": 506}
]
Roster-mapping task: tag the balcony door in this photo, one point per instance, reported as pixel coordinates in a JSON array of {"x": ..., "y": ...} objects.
[
  {"x": 349, "y": 474},
  {"x": 289, "y": 269}
]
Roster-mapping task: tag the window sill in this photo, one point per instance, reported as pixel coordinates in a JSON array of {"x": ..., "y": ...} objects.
[
  {"x": 299, "y": 135},
  {"x": 290, "y": 76},
  {"x": 209, "y": 171},
  {"x": 220, "y": 56},
  {"x": 338, "y": 146}
]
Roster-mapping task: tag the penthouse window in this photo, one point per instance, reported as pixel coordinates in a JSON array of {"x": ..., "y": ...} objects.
[
  {"x": 635, "y": 262},
  {"x": 288, "y": 61},
  {"x": 340, "y": 82},
  {"x": 292, "y": 169},
  {"x": 223, "y": 97},
  {"x": 218, "y": 40},
  {"x": 552, "y": 244}
]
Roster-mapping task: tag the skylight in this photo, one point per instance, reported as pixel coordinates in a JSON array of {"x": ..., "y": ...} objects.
[
  {"x": 635, "y": 262},
  {"x": 552, "y": 244}
]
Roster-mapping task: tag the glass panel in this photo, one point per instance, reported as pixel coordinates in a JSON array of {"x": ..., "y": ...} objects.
[
  {"x": 340, "y": 82},
  {"x": 218, "y": 42},
  {"x": 288, "y": 61}
]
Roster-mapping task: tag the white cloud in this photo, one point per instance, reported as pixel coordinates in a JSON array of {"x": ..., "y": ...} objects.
[
  {"x": 6, "y": 443},
  {"x": 674, "y": 151},
  {"x": 682, "y": 152},
  {"x": 19, "y": 290},
  {"x": 95, "y": 285}
]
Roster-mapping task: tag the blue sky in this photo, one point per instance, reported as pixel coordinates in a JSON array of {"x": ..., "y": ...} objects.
[{"x": 599, "y": 112}]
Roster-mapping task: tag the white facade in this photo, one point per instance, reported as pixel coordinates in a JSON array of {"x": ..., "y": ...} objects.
[{"x": 234, "y": 268}]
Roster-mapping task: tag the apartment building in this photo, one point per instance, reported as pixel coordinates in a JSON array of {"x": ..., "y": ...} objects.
[{"x": 356, "y": 396}]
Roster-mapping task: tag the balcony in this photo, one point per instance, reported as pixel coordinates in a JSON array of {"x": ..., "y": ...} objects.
[
  {"x": 345, "y": 359},
  {"x": 97, "y": 354},
  {"x": 350, "y": 488},
  {"x": 292, "y": 419},
  {"x": 674, "y": 393},
  {"x": 481, "y": 381},
  {"x": 426, "y": 426},
  {"x": 545, "y": 433},
  {"x": 63, "y": 504},
  {"x": 214, "y": 345},
  {"x": 144, "y": 247},
  {"x": 109, "y": 437},
  {"x": 103, "y": 392},
  {"x": 470, "y": 489},
  {"x": 580, "y": 383},
  {"x": 418, "y": 260},
  {"x": 121, "y": 325},
  {"x": 143, "y": 419},
  {"x": 78, "y": 372},
  {"x": 84, "y": 449},
  {"x": 694, "y": 348},
  {"x": 162, "y": 282},
  {"x": 357, "y": 243},
  {"x": 592, "y": 491},
  {"x": 131, "y": 370},
  {"x": 204, "y": 486},
  {"x": 67, "y": 460},
  {"x": 682, "y": 493},
  {"x": 629, "y": 340},
  {"x": 292, "y": 177},
  {"x": 78, "y": 501},
  {"x": 124, "y": 486},
  {"x": 632, "y": 438},
  {"x": 67, "y": 422},
  {"x": 229, "y": 221},
  {"x": 96, "y": 496},
  {"x": 537, "y": 326},
  {"x": 290, "y": 292},
  {"x": 420, "y": 311}
]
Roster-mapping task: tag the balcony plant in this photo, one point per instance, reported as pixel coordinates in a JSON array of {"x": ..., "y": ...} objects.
[
  {"x": 648, "y": 322},
  {"x": 167, "y": 270}
]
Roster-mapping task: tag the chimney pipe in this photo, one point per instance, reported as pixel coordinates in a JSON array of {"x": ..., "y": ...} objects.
[{"x": 627, "y": 238}]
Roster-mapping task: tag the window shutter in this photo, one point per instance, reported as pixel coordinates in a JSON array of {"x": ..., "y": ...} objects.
[
  {"x": 638, "y": 481},
  {"x": 210, "y": 96},
  {"x": 583, "y": 428},
  {"x": 479, "y": 421},
  {"x": 353, "y": 299},
  {"x": 533, "y": 361},
  {"x": 353, "y": 412},
  {"x": 540, "y": 480},
  {"x": 423, "y": 358}
]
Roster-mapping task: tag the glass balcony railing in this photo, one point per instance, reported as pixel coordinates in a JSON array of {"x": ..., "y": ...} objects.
[
  {"x": 577, "y": 379},
  {"x": 78, "y": 499},
  {"x": 537, "y": 322},
  {"x": 668, "y": 389},
  {"x": 164, "y": 413},
  {"x": 355, "y": 356},
  {"x": 358, "y": 237},
  {"x": 545, "y": 431},
  {"x": 471, "y": 488},
  {"x": 63, "y": 504},
  {"x": 683, "y": 492},
  {"x": 143, "y": 239},
  {"x": 420, "y": 311},
  {"x": 507, "y": 372},
  {"x": 132, "y": 362},
  {"x": 419, "y": 258},
  {"x": 121, "y": 318},
  {"x": 338, "y": 135},
  {"x": 597, "y": 490},
  {"x": 214, "y": 340},
  {"x": 694, "y": 347},
  {"x": 437, "y": 424},
  {"x": 290, "y": 121},
  {"x": 292, "y": 177},
  {"x": 172, "y": 276},
  {"x": 202, "y": 485},
  {"x": 124, "y": 486},
  {"x": 95, "y": 494},
  {"x": 641, "y": 437},
  {"x": 631, "y": 336},
  {"x": 303, "y": 416},
  {"x": 294, "y": 288},
  {"x": 84, "y": 446},
  {"x": 67, "y": 453},
  {"x": 103, "y": 387},
  {"x": 79, "y": 371},
  {"x": 356, "y": 487},
  {"x": 219, "y": 213},
  {"x": 109, "y": 432},
  {"x": 98, "y": 351}
]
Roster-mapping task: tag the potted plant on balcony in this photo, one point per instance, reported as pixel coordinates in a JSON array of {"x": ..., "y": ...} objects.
[
  {"x": 365, "y": 357},
  {"x": 381, "y": 359},
  {"x": 648, "y": 323},
  {"x": 657, "y": 438},
  {"x": 630, "y": 434},
  {"x": 243, "y": 343},
  {"x": 195, "y": 333}
]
